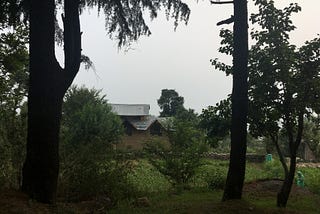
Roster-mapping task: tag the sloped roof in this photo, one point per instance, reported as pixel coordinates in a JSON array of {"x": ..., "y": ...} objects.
[
  {"x": 166, "y": 122},
  {"x": 142, "y": 124},
  {"x": 131, "y": 109},
  {"x": 145, "y": 122}
]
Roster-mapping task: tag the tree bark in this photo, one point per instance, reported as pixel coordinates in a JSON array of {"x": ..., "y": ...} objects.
[
  {"x": 48, "y": 83},
  {"x": 281, "y": 156},
  {"x": 283, "y": 195},
  {"x": 236, "y": 172}
]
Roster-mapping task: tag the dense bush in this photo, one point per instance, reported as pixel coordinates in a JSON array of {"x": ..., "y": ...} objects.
[
  {"x": 89, "y": 164},
  {"x": 179, "y": 160},
  {"x": 146, "y": 179},
  {"x": 274, "y": 169},
  {"x": 311, "y": 178}
]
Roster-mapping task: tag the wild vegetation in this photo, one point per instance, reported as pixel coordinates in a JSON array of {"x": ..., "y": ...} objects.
[{"x": 76, "y": 161}]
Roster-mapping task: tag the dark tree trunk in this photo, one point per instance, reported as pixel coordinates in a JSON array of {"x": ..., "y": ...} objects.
[
  {"x": 48, "y": 83},
  {"x": 236, "y": 172},
  {"x": 281, "y": 156},
  {"x": 283, "y": 195}
]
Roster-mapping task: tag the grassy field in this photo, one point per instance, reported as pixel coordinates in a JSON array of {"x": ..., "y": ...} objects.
[{"x": 204, "y": 195}]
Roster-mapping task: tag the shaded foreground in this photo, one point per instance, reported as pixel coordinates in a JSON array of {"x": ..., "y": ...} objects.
[{"x": 259, "y": 197}]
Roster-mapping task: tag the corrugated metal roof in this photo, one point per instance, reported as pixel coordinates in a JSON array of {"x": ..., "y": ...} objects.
[{"x": 131, "y": 109}]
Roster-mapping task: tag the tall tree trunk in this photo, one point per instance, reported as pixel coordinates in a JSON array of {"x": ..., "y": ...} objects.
[
  {"x": 236, "y": 172},
  {"x": 48, "y": 83}
]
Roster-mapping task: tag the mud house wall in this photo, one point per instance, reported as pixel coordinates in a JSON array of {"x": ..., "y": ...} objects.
[{"x": 138, "y": 138}]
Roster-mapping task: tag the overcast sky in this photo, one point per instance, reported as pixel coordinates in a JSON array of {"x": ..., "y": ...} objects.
[{"x": 171, "y": 59}]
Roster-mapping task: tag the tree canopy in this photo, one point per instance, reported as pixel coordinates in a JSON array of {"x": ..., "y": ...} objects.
[
  {"x": 216, "y": 121},
  {"x": 170, "y": 103},
  {"x": 13, "y": 91}
]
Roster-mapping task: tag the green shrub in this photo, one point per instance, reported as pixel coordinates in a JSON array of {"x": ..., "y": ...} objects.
[
  {"x": 179, "y": 160},
  {"x": 274, "y": 169},
  {"x": 146, "y": 179},
  {"x": 216, "y": 180},
  {"x": 89, "y": 165},
  {"x": 311, "y": 178}
]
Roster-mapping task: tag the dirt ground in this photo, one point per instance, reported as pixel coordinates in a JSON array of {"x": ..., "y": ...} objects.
[{"x": 271, "y": 187}]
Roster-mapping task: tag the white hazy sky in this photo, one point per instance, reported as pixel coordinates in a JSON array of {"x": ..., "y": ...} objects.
[{"x": 172, "y": 59}]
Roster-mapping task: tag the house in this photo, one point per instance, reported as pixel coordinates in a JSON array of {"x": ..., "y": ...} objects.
[{"x": 140, "y": 127}]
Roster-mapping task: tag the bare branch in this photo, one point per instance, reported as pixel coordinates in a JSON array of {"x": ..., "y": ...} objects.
[
  {"x": 221, "y": 2},
  {"x": 226, "y": 21}
]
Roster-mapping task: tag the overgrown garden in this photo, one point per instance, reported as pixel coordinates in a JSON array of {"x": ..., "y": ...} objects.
[{"x": 73, "y": 148}]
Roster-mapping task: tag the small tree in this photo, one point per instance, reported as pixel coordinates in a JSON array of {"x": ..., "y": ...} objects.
[
  {"x": 279, "y": 74},
  {"x": 180, "y": 159}
]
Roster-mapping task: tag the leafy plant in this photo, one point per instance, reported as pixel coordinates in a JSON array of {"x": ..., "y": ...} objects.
[
  {"x": 179, "y": 160},
  {"x": 89, "y": 165}
]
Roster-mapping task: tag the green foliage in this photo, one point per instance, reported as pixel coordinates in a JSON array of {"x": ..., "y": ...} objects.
[
  {"x": 170, "y": 103},
  {"x": 216, "y": 121},
  {"x": 125, "y": 19},
  {"x": 179, "y": 160},
  {"x": 278, "y": 75},
  {"x": 200, "y": 196},
  {"x": 13, "y": 84},
  {"x": 88, "y": 118},
  {"x": 216, "y": 180},
  {"x": 146, "y": 179},
  {"x": 13, "y": 69},
  {"x": 311, "y": 176},
  {"x": 10, "y": 12},
  {"x": 89, "y": 165},
  {"x": 273, "y": 169}
]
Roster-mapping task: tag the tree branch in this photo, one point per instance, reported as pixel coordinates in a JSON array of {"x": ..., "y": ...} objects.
[
  {"x": 221, "y": 2},
  {"x": 226, "y": 21},
  {"x": 72, "y": 41}
]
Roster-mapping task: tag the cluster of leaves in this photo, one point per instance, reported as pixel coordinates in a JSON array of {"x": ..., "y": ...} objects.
[
  {"x": 179, "y": 160},
  {"x": 170, "y": 103},
  {"x": 216, "y": 121},
  {"x": 13, "y": 92},
  {"x": 11, "y": 12},
  {"x": 89, "y": 165},
  {"x": 125, "y": 19}
]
